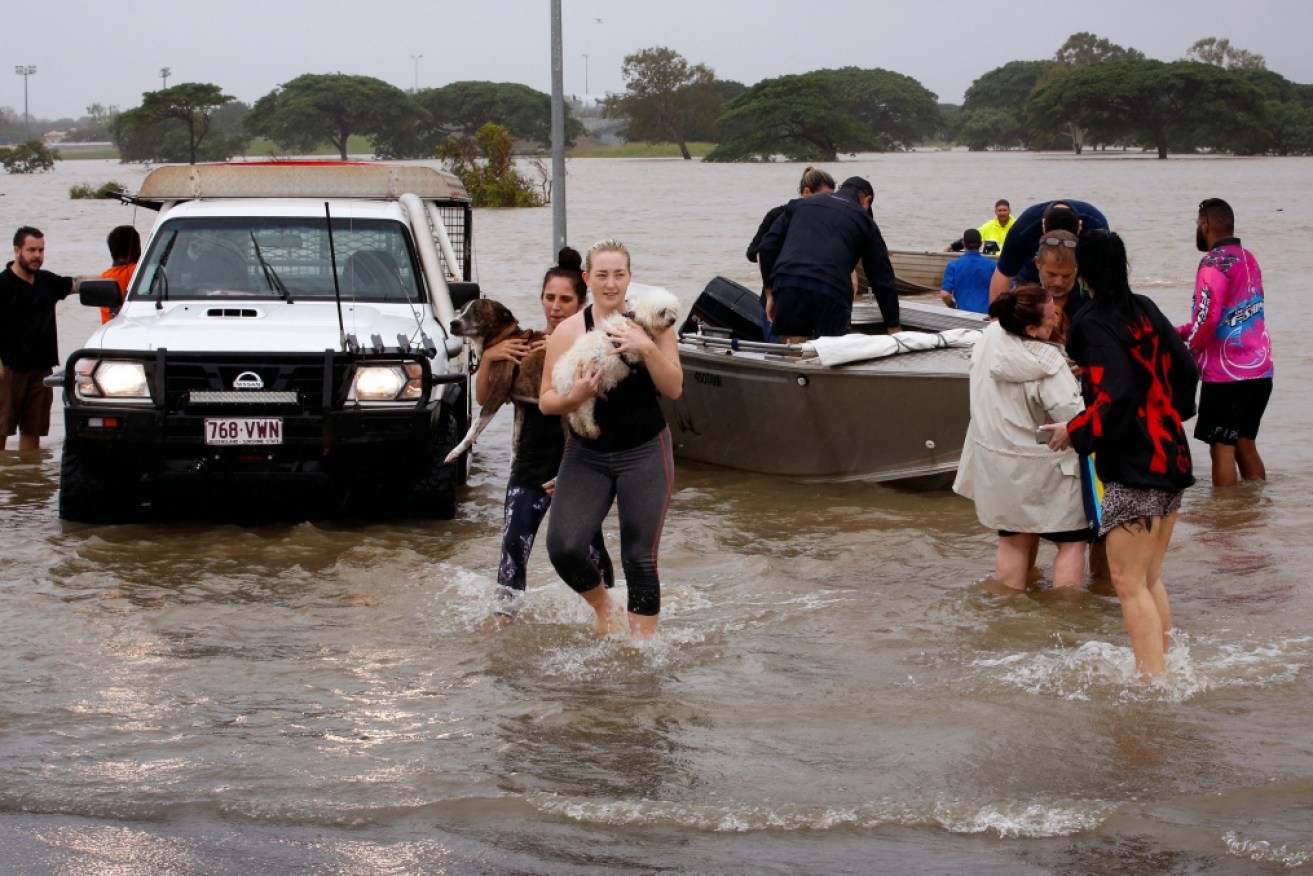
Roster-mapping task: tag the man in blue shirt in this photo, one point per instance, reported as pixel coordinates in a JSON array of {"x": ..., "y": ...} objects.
[
  {"x": 1016, "y": 263},
  {"x": 966, "y": 279}
]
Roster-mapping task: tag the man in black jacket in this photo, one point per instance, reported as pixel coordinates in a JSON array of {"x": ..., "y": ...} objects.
[{"x": 807, "y": 260}]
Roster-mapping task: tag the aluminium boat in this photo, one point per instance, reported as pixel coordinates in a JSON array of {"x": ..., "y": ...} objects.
[
  {"x": 918, "y": 271},
  {"x": 781, "y": 409}
]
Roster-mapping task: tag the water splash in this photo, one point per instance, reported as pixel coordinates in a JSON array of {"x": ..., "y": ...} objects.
[
  {"x": 1106, "y": 671},
  {"x": 1005, "y": 819},
  {"x": 1265, "y": 852}
]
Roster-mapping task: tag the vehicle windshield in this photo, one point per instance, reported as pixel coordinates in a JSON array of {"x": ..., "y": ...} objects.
[{"x": 256, "y": 257}]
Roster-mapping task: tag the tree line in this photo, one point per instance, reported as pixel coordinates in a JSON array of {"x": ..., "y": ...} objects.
[
  {"x": 1090, "y": 94},
  {"x": 1095, "y": 93},
  {"x": 198, "y": 122}
]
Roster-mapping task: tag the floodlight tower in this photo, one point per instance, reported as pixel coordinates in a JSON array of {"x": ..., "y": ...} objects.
[{"x": 25, "y": 70}]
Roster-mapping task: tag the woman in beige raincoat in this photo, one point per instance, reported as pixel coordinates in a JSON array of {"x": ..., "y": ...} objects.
[{"x": 1022, "y": 488}]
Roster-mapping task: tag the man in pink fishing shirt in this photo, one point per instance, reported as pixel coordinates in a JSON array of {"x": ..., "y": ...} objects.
[{"x": 1228, "y": 337}]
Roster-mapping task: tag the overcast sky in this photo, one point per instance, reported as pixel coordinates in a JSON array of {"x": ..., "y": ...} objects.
[{"x": 110, "y": 51}]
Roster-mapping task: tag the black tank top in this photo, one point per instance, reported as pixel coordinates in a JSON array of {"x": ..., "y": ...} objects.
[
  {"x": 542, "y": 443},
  {"x": 630, "y": 414}
]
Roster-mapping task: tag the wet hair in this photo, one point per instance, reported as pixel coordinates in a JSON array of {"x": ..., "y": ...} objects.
[
  {"x": 1002, "y": 202},
  {"x": 608, "y": 245},
  {"x": 124, "y": 243},
  {"x": 569, "y": 265},
  {"x": 1020, "y": 307},
  {"x": 1060, "y": 217},
  {"x": 25, "y": 232},
  {"x": 1056, "y": 251},
  {"x": 1101, "y": 260},
  {"x": 1218, "y": 214},
  {"x": 815, "y": 179}
]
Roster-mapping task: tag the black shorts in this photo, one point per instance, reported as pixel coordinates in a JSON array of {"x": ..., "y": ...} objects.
[
  {"x": 809, "y": 314},
  {"x": 1055, "y": 537},
  {"x": 1231, "y": 411}
]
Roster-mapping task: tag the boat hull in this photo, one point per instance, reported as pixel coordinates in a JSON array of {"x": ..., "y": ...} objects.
[
  {"x": 919, "y": 271},
  {"x": 898, "y": 419}
]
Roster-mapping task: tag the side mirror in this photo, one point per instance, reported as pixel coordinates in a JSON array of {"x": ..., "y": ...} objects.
[
  {"x": 462, "y": 293},
  {"x": 100, "y": 293}
]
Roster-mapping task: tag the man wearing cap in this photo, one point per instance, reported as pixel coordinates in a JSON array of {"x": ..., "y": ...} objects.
[
  {"x": 1017, "y": 260},
  {"x": 807, "y": 260},
  {"x": 966, "y": 279}
]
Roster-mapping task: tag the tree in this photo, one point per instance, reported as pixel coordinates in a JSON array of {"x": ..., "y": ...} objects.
[
  {"x": 897, "y": 110},
  {"x": 174, "y": 124},
  {"x": 1220, "y": 53},
  {"x": 315, "y": 109},
  {"x": 992, "y": 113},
  {"x": 1154, "y": 101},
  {"x": 95, "y": 125},
  {"x": 465, "y": 107},
  {"x": 1087, "y": 48},
  {"x": 704, "y": 127},
  {"x": 30, "y": 157},
  {"x": 796, "y": 116},
  {"x": 483, "y": 163},
  {"x": 665, "y": 97},
  {"x": 1080, "y": 50},
  {"x": 1285, "y": 126}
]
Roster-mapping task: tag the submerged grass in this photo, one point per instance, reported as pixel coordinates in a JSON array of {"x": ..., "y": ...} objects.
[{"x": 639, "y": 150}]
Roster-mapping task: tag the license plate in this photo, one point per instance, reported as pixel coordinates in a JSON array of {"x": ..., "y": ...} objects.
[{"x": 243, "y": 430}]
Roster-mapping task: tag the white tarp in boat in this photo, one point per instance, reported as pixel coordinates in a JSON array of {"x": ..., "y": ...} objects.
[{"x": 856, "y": 347}]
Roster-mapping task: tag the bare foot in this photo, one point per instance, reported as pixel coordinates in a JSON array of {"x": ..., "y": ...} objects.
[
  {"x": 599, "y": 599},
  {"x": 497, "y": 622}
]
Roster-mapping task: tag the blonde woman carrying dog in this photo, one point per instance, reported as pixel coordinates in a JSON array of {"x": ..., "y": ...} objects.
[
  {"x": 539, "y": 445},
  {"x": 629, "y": 464}
]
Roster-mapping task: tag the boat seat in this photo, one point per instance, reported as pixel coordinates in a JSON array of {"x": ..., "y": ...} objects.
[
  {"x": 372, "y": 273},
  {"x": 220, "y": 269}
]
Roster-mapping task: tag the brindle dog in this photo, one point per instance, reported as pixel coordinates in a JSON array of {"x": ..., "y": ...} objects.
[{"x": 485, "y": 322}]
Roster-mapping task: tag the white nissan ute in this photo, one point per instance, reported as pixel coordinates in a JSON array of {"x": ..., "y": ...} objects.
[{"x": 285, "y": 332}]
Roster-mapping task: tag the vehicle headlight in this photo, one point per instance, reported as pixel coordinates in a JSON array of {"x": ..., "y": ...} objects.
[
  {"x": 116, "y": 379},
  {"x": 385, "y": 383}
]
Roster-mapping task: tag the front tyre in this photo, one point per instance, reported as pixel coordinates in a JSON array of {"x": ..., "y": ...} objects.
[
  {"x": 95, "y": 490},
  {"x": 433, "y": 494}
]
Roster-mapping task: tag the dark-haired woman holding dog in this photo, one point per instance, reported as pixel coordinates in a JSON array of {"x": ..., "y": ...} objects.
[
  {"x": 630, "y": 462},
  {"x": 539, "y": 446}
]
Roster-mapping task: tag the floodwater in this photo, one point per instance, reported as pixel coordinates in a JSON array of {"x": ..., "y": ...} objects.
[{"x": 833, "y": 690}]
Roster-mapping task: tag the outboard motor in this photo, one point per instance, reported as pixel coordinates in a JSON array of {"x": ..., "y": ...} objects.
[{"x": 726, "y": 307}]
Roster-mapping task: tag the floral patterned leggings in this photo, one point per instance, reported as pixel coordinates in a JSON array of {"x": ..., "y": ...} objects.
[{"x": 525, "y": 509}]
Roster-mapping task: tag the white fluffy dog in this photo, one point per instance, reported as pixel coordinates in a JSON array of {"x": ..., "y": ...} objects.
[{"x": 654, "y": 309}]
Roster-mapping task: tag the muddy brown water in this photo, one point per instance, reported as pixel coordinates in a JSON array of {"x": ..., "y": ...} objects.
[{"x": 833, "y": 690}]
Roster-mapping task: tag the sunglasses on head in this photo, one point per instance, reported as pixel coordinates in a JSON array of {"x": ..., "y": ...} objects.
[{"x": 1059, "y": 241}]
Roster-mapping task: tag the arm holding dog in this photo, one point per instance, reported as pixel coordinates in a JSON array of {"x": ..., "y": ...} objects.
[
  {"x": 585, "y": 384},
  {"x": 660, "y": 355},
  {"x": 510, "y": 350}
]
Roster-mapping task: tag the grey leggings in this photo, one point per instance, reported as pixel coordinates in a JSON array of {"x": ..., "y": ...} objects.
[{"x": 639, "y": 480}]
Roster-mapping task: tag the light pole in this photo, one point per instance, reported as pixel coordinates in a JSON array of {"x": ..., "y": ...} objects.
[
  {"x": 416, "y": 58},
  {"x": 165, "y": 72},
  {"x": 25, "y": 70},
  {"x": 585, "y": 74},
  {"x": 558, "y": 131}
]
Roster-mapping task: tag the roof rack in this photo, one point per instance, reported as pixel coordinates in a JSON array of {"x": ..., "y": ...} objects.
[{"x": 298, "y": 179}]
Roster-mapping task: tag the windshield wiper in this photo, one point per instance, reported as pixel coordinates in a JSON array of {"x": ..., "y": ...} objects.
[
  {"x": 160, "y": 276},
  {"x": 270, "y": 275}
]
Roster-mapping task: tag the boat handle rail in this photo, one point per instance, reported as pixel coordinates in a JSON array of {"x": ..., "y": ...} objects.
[{"x": 737, "y": 344}]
